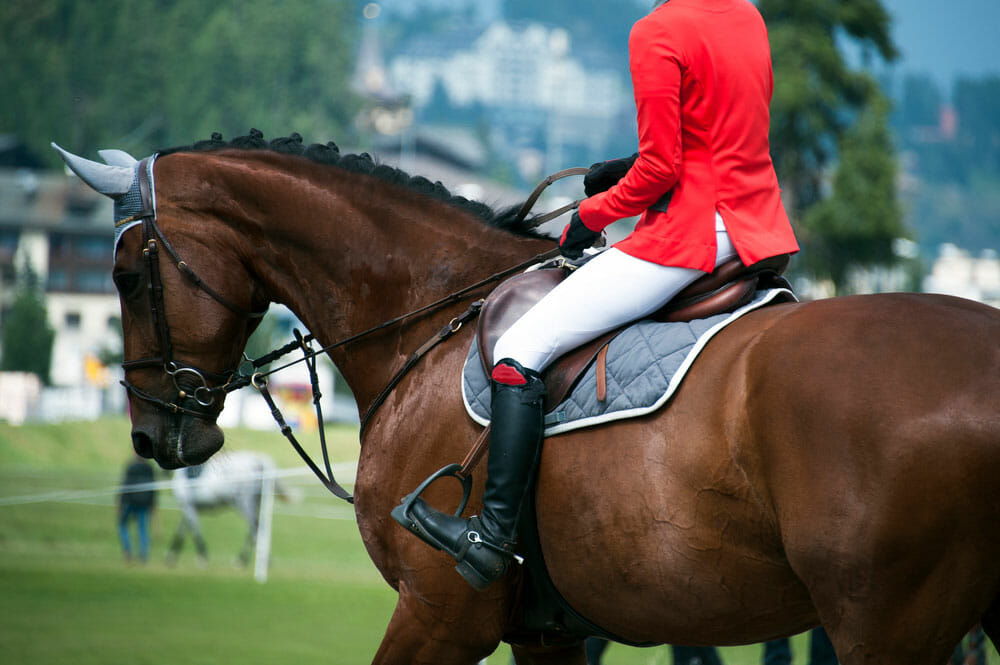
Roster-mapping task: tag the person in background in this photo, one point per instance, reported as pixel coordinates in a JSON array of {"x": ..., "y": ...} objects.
[
  {"x": 779, "y": 652},
  {"x": 136, "y": 502},
  {"x": 975, "y": 654}
]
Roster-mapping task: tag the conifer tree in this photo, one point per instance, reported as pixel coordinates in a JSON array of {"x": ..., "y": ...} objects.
[
  {"x": 26, "y": 336},
  {"x": 829, "y": 118}
]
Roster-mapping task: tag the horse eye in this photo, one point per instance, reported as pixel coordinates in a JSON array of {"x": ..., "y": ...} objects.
[{"x": 126, "y": 282}]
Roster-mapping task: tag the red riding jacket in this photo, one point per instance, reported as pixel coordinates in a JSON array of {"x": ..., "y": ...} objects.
[{"x": 702, "y": 79}]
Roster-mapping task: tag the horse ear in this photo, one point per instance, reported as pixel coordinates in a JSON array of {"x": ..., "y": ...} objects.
[
  {"x": 110, "y": 180},
  {"x": 118, "y": 158}
]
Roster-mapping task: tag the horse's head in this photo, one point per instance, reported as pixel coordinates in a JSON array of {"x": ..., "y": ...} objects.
[{"x": 188, "y": 304}]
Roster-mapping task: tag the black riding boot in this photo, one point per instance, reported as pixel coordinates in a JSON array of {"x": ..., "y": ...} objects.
[{"x": 484, "y": 545}]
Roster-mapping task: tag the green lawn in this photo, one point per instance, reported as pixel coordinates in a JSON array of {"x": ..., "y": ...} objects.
[{"x": 66, "y": 596}]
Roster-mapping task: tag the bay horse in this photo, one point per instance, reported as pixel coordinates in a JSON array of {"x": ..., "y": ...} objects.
[{"x": 834, "y": 462}]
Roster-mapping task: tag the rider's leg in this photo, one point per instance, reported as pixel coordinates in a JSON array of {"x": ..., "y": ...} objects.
[
  {"x": 483, "y": 545},
  {"x": 611, "y": 289}
]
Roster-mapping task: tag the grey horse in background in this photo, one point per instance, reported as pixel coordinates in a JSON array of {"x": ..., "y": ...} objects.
[{"x": 237, "y": 479}]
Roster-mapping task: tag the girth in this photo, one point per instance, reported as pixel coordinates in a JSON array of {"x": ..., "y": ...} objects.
[{"x": 727, "y": 288}]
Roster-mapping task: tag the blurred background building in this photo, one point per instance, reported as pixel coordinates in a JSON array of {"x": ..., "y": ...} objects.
[{"x": 487, "y": 96}]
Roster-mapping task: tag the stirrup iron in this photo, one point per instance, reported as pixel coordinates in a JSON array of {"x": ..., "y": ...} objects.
[{"x": 401, "y": 513}]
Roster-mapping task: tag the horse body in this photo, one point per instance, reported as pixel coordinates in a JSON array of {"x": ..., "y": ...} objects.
[
  {"x": 782, "y": 490},
  {"x": 831, "y": 462}
]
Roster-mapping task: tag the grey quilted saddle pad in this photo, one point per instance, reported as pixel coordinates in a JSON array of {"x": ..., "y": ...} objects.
[{"x": 645, "y": 365}]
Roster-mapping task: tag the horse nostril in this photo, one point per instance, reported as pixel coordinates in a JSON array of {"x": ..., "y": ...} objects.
[{"x": 142, "y": 444}]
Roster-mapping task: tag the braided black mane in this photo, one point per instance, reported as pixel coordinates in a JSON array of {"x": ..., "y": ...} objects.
[{"x": 329, "y": 154}]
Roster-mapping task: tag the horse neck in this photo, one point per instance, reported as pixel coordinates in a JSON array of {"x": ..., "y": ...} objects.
[{"x": 347, "y": 252}]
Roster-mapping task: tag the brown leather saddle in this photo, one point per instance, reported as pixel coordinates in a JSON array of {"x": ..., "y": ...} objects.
[{"x": 729, "y": 287}]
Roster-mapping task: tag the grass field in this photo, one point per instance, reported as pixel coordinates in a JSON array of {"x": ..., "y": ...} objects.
[{"x": 67, "y": 597}]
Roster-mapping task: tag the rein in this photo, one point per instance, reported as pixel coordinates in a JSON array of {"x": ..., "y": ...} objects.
[
  {"x": 184, "y": 376},
  {"x": 522, "y": 214},
  {"x": 450, "y": 329}
]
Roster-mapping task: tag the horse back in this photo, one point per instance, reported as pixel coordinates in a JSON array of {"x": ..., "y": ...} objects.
[{"x": 793, "y": 460}]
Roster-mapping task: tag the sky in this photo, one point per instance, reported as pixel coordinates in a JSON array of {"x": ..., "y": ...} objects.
[{"x": 947, "y": 38}]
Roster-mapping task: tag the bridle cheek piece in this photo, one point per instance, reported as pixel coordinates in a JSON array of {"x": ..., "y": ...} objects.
[{"x": 191, "y": 383}]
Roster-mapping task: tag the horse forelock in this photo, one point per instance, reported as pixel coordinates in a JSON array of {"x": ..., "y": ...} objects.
[{"x": 329, "y": 155}]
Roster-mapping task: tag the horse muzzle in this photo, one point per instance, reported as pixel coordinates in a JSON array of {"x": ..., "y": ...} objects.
[{"x": 174, "y": 440}]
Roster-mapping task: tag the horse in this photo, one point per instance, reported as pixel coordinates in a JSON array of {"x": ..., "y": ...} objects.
[
  {"x": 237, "y": 479},
  {"x": 830, "y": 462}
]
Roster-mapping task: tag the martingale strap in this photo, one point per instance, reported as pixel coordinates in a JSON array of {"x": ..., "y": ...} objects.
[{"x": 259, "y": 382}]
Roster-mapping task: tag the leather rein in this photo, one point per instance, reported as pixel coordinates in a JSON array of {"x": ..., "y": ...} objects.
[{"x": 202, "y": 387}]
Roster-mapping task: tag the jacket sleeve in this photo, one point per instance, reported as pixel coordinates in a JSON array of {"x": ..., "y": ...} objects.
[{"x": 656, "y": 84}]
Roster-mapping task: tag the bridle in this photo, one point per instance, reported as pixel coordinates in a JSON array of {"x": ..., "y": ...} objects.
[
  {"x": 192, "y": 383},
  {"x": 195, "y": 384},
  {"x": 202, "y": 387}
]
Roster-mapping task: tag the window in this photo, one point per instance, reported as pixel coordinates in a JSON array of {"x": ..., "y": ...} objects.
[
  {"x": 94, "y": 281},
  {"x": 58, "y": 279},
  {"x": 94, "y": 248}
]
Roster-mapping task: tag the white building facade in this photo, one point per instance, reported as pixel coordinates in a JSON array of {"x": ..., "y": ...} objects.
[
  {"x": 529, "y": 66},
  {"x": 533, "y": 93}
]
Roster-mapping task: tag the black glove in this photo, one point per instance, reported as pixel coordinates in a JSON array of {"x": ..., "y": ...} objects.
[
  {"x": 576, "y": 237},
  {"x": 605, "y": 175}
]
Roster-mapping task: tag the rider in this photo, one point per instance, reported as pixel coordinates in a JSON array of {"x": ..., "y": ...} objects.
[{"x": 705, "y": 185}]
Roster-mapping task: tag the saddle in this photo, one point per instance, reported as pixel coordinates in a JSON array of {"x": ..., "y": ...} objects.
[
  {"x": 543, "y": 615},
  {"x": 727, "y": 288}
]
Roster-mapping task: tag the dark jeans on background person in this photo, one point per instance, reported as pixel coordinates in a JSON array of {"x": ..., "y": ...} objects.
[
  {"x": 975, "y": 654},
  {"x": 696, "y": 656},
  {"x": 779, "y": 652},
  {"x": 139, "y": 514},
  {"x": 594, "y": 648}
]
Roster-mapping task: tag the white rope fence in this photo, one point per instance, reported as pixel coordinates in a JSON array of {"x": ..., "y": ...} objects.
[
  {"x": 262, "y": 555},
  {"x": 62, "y": 496}
]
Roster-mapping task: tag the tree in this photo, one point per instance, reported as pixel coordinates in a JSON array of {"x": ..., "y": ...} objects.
[
  {"x": 823, "y": 109},
  {"x": 816, "y": 95},
  {"x": 858, "y": 225},
  {"x": 921, "y": 102},
  {"x": 26, "y": 335},
  {"x": 150, "y": 74},
  {"x": 977, "y": 103}
]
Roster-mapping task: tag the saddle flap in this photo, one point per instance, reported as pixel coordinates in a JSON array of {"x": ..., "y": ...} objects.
[{"x": 507, "y": 304}]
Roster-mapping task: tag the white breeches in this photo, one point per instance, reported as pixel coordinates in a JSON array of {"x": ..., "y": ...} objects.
[{"x": 611, "y": 289}]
